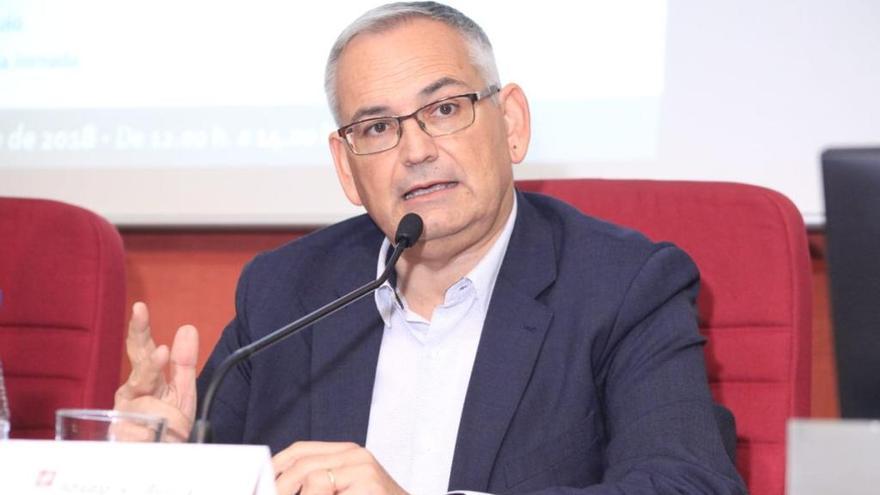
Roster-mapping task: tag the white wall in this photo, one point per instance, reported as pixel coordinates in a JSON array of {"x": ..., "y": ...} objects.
[{"x": 746, "y": 91}]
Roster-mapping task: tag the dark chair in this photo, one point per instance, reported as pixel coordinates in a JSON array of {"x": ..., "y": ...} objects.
[{"x": 852, "y": 226}]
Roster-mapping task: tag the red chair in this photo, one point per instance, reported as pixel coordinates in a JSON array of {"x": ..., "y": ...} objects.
[
  {"x": 754, "y": 305},
  {"x": 62, "y": 306}
]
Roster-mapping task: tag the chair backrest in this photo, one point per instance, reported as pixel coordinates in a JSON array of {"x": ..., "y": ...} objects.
[
  {"x": 852, "y": 230},
  {"x": 755, "y": 297},
  {"x": 62, "y": 310}
]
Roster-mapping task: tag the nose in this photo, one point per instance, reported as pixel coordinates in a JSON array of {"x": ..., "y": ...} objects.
[{"x": 416, "y": 146}]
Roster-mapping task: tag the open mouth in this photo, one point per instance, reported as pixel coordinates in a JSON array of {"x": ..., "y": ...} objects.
[{"x": 421, "y": 191}]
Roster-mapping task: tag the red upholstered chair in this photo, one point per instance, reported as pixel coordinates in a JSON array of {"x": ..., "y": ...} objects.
[
  {"x": 62, "y": 278},
  {"x": 754, "y": 305}
]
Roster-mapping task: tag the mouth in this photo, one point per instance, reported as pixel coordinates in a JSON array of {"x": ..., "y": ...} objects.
[{"x": 426, "y": 189}]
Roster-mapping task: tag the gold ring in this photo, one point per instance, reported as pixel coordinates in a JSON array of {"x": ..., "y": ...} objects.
[{"x": 331, "y": 478}]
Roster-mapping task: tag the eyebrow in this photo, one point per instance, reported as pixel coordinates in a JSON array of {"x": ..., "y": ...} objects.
[
  {"x": 440, "y": 84},
  {"x": 374, "y": 111},
  {"x": 384, "y": 110}
]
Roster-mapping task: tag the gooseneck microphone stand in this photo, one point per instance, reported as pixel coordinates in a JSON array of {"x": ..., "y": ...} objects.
[{"x": 408, "y": 231}]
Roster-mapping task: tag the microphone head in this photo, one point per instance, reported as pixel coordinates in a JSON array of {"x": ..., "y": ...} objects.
[{"x": 408, "y": 230}]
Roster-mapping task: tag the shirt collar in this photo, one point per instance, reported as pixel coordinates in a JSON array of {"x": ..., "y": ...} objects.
[{"x": 483, "y": 275}]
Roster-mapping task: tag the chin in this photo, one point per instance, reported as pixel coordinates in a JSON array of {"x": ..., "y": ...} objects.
[{"x": 439, "y": 225}]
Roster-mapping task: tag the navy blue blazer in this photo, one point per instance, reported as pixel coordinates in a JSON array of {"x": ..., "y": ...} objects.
[{"x": 589, "y": 377}]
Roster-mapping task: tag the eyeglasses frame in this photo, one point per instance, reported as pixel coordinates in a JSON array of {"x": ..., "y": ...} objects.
[{"x": 474, "y": 98}]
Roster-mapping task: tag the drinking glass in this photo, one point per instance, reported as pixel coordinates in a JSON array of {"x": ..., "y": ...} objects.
[
  {"x": 4, "y": 408},
  {"x": 107, "y": 425}
]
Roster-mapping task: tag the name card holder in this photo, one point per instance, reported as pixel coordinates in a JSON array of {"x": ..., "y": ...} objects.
[{"x": 44, "y": 467}]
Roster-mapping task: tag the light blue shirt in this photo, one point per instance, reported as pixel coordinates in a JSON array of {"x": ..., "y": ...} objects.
[{"x": 423, "y": 373}]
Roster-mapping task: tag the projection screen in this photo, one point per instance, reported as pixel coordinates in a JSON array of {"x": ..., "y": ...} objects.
[{"x": 213, "y": 113}]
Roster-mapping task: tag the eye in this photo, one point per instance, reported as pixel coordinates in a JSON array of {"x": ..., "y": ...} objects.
[
  {"x": 445, "y": 109},
  {"x": 372, "y": 129}
]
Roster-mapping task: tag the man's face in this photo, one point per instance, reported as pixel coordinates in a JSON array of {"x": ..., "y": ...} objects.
[{"x": 460, "y": 184}]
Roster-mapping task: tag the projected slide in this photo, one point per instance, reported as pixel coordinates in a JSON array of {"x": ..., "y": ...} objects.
[{"x": 123, "y": 83}]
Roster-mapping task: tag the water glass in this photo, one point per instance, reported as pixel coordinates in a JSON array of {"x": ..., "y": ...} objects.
[
  {"x": 107, "y": 425},
  {"x": 4, "y": 408}
]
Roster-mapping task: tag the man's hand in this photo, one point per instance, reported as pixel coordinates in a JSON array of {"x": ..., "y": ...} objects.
[
  {"x": 323, "y": 468},
  {"x": 147, "y": 389}
]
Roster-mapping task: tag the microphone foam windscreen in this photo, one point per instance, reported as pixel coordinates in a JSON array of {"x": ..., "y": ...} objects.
[{"x": 408, "y": 230}]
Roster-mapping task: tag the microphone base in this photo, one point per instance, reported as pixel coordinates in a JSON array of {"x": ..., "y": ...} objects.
[{"x": 201, "y": 432}]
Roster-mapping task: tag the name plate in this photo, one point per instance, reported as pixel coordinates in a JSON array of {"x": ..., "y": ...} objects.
[
  {"x": 827, "y": 456},
  {"x": 45, "y": 467}
]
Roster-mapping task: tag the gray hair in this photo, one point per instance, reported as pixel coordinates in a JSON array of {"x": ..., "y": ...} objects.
[{"x": 388, "y": 16}]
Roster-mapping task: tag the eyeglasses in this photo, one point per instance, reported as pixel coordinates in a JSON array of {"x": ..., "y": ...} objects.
[{"x": 439, "y": 118}]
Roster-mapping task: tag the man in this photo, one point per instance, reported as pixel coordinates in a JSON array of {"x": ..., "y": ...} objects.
[{"x": 520, "y": 347}]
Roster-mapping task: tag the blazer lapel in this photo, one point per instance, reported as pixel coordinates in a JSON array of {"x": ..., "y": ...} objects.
[
  {"x": 512, "y": 336},
  {"x": 345, "y": 350}
]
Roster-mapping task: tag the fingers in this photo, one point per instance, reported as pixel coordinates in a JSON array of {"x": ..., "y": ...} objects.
[
  {"x": 285, "y": 459},
  {"x": 363, "y": 478},
  {"x": 307, "y": 466},
  {"x": 303, "y": 467},
  {"x": 321, "y": 482},
  {"x": 146, "y": 390},
  {"x": 315, "y": 481},
  {"x": 285, "y": 483},
  {"x": 146, "y": 378},
  {"x": 368, "y": 477},
  {"x": 147, "y": 360},
  {"x": 139, "y": 342},
  {"x": 183, "y": 370}
]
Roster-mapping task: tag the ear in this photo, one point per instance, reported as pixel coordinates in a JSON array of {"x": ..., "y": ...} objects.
[
  {"x": 518, "y": 120},
  {"x": 339, "y": 150}
]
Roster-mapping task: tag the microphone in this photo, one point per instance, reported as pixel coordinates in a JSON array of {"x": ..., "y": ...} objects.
[{"x": 408, "y": 232}]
